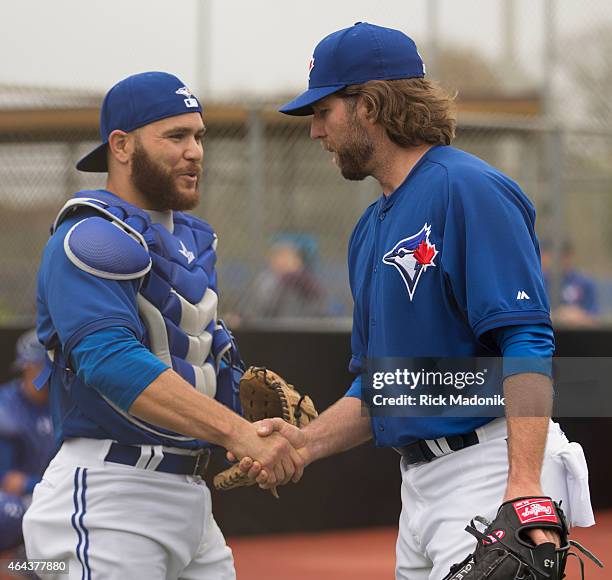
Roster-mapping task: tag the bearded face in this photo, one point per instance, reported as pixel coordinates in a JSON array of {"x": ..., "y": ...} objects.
[
  {"x": 355, "y": 151},
  {"x": 165, "y": 187},
  {"x": 336, "y": 122}
]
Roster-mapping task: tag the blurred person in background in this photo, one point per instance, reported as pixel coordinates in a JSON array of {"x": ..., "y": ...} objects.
[
  {"x": 287, "y": 288},
  {"x": 579, "y": 305},
  {"x": 26, "y": 438}
]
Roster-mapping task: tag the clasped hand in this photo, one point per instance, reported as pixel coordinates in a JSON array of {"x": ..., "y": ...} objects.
[{"x": 275, "y": 455}]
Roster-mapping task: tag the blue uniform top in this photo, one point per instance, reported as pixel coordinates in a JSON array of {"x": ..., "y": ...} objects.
[
  {"x": 74, "y": 305},
  {"x": 448, "y": 257},
  {"x": 91, "y": 322},
  {"x": 26, "y": 435}
]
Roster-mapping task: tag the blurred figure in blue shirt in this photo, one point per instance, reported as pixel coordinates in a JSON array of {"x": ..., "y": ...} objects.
[
  {"x": 579, "y": 304},
  {"x": 26, "y": 438}
]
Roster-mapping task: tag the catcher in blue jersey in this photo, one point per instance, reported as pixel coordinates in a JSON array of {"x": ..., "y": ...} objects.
[
  {"x": 141, "y": 371},
  {"x": 444, "y": 264}
]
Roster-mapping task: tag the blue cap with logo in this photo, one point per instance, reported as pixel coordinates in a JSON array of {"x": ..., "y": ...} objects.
[
  {"x": 136, "y": 101},
  {"x": 351, "y": 56}
]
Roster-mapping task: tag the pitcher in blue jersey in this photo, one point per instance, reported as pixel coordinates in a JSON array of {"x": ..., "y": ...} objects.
[
  {"x": 444, "y": 264},
  {"x": 141, "y": 371}
]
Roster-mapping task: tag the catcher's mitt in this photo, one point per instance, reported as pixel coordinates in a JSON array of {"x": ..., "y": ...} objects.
[
  {"x": 505, "y": 552},
  {"x": 264, "y": 395}
]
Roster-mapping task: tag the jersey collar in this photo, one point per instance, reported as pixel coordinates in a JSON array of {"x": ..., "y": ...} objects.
[{"x": 388, "y": 201}]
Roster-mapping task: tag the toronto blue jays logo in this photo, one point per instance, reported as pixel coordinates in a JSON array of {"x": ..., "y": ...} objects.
[
  {"x": 411, "y": 257},
  {"x": 184, "y": 91},
  {"x": 311, "y": 66},
  {"x": 190, "y": 101}
]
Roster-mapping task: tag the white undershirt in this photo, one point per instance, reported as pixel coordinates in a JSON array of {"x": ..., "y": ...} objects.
[{"x": 165, "y": 218}]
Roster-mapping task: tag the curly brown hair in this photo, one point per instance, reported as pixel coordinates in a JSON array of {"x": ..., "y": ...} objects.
[{"x": 412, "y": 111}]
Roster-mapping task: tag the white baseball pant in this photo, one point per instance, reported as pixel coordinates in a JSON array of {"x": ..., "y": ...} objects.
[
  {"x": 439, "y": 498},
  {"x": 111, "y": 521}
]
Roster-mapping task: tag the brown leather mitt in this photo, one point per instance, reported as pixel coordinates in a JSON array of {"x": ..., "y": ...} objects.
[{"x": 265, "y": 395}]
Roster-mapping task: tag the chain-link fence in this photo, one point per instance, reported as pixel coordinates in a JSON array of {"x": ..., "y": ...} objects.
[{"x": 279, "y": 204}]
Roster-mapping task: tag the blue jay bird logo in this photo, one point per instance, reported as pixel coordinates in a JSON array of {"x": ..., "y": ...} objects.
[{"x": 411, "y": 257}]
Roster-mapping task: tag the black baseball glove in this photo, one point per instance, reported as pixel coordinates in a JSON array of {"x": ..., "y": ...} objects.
[{"x": 505, "y": 552}]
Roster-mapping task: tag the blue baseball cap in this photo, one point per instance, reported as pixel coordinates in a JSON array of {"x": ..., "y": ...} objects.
[
  {"x": 28, "y": 351},
  {"x": 351, "y": 56},
  {"x": 136, "y": 101}
]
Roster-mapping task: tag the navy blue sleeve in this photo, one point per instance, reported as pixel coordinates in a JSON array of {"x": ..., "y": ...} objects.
[
  {"x": 114, "y": 363},
  {"x": 526, "y": 349},
  {"x": 490, "y": 253},
  {"x": 79, "y": 303}
]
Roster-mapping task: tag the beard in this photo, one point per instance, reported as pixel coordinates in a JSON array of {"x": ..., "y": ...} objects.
[
  {"x": 354, "y": 158},
  {"x": 158, "y": 185}
]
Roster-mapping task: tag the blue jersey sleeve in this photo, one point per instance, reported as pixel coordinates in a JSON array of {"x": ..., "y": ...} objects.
[
  {"x": 116, "y": 365},
  {"x": 490, "y": 254},
  {"x": 354, "y": 389},
  {"x": 74, "y": 303},
  {"x": 526, "y": 349}
]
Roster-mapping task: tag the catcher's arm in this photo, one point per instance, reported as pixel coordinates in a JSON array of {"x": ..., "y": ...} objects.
[
  {"x": 528, "y": 394},
  {"x": 341, "y": 427},
  {"x": 170, "y": 402}
]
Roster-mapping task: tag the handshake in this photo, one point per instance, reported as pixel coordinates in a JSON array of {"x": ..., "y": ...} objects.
[{"x": 272, "y": 449}]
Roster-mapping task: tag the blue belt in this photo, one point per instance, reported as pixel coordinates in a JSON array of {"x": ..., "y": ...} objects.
[
  {"x": 171, "y": 462},
  {"x": 419, "y": 451}
]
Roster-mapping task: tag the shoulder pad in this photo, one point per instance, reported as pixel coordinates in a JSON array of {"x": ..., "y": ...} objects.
[
  {"x": 107, "y": 250},
  {"x": 193, "y": 222}
]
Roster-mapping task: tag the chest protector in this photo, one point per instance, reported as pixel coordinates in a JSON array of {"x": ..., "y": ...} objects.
[{"x": 177, "y": 297}]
